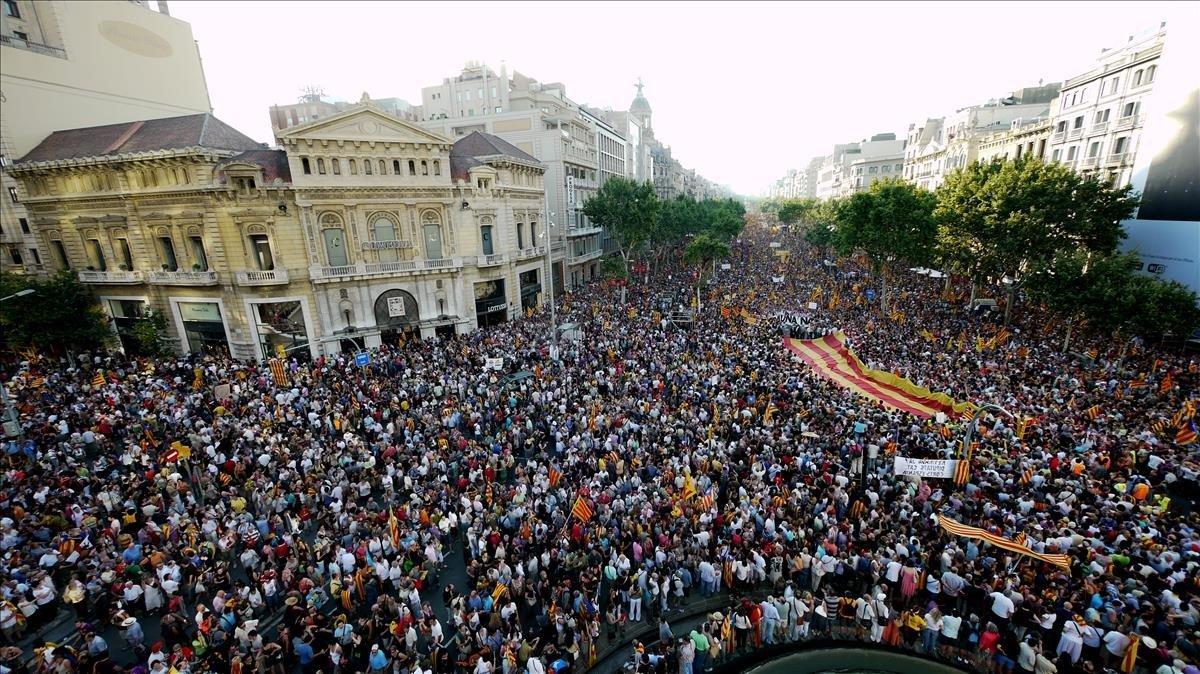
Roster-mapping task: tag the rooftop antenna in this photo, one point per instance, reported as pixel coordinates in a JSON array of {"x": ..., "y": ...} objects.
[{"x": 311, "y": 94}]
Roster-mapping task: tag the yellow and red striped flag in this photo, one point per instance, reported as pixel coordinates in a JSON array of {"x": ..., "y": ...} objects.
[
  {"x": 1027, "y": 476},
  {"x": 1093, "y": 412},
  {"x": 1167, "y": 384},
  {"x": 581, "y": 510},
  {"x": 278, "y": 373},
  {"x": 958, "y": 529},
  {"x": 98, "y": 380},
  {"x": 393, "y": 528},
  {"x": 1187, "y": 434},
  {"x": 555, "y": 476},
  {"x": 962, "y": 470}
]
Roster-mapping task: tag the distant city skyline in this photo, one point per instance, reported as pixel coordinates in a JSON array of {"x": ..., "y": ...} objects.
[{"x": 741, "y": 93}]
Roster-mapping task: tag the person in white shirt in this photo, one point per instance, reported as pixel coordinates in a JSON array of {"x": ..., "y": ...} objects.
[
  {"x": 1002, "y": 607},
  {"x": 951, "y": 625}
]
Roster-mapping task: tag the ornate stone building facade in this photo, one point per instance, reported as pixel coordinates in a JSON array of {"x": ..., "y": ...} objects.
[
  {"x": 184, "y": 216},
  {"x": 410, "y": 235}
]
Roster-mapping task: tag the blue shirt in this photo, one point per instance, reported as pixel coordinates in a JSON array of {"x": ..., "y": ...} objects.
[{"x": 304, "y": 652}]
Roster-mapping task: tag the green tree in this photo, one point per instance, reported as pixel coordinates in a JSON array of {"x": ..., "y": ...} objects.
[
  {"x": 150, "y": 334},
  {"x": 892, "y": 222},
  {"x": 798, "y": 210},
  {"x": 629, "y": 211},
  {"x": 61, "y": 313},
  {"x": 702, "y": 250},
  {"x": 1005, "y": 219}
]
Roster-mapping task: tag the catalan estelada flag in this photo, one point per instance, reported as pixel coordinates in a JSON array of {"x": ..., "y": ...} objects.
[
  {"x": 958, "y": 529},
  {"x": 581, "y": 510},
  {"x": 832, "y": 359}
]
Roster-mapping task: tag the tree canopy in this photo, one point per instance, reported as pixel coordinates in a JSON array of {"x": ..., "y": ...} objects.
[{"x": 61, "y": 312}]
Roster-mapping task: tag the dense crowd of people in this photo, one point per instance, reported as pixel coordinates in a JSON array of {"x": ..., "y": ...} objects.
[{"x": 649, "y": 465}]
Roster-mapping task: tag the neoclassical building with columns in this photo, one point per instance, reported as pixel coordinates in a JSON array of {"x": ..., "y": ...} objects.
[{"x": 410, "y": 235}]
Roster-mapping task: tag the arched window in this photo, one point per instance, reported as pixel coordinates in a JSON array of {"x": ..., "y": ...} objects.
[
  {"x": 431, "y": 226},
  {"x": 1150, "y": 74},
  {"x": 437, "y": 167},
  {"x": 383, "y": 228},
  {"x": 396, "y": 167},
  {"x": 353, "y": 167},
  {"x": 306, "y": 166},
  {"x": 334, "y": 237},
  {"x": 424, "y": 167},
  {"x": 520, "y": 236},
  {"x": 336, "y": 165},
  {"x": 320, "y": 166},
  {"x": 1137, "y": 78},
  {"x": 382, "y": 168},
  {"x": 412, "y": 167},
  {"x": 367, "y": 167}
]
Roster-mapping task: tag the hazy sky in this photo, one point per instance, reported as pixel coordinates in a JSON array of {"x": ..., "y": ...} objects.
[{"x": 740, "y": 91}]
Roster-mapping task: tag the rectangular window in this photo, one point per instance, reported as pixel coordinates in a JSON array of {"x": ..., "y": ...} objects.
[
  {"x": 1078, "y": 122},
  {"x": 166, "y": 250},
  {"x": 24, "y": 225},
  {"x": 1056, "y": 155},
  {"x": 1094, "y": 149},
  {"x": 16, "y": 255},
  {"x": 126, "y": 255},
  {"x": 11, "y": 9},
  {"x": 96, "y": 255},
  {"x": 198, "y": 255},
  {"x": 12, "y": 194},
  {"x": 261, "y": 247},
  {"x": 60, "y": 254},
  {"x": 1121, "y": 146},
  {"x": 1071, "y": 153},
  {"x": 21, "y": 35},
  {"x": 37, "y": 259}
]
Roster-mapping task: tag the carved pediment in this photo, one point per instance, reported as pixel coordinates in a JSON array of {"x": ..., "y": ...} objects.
[{"x": 363, "y": 124}]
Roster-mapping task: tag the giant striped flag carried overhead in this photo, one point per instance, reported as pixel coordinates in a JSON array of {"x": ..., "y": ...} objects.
[
  {"x": 958, "y": 529},
  {"x": 833, "y": 359}
]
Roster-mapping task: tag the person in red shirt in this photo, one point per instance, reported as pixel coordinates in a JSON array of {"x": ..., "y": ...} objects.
[
  {"x": 988, "y": 641},
  {"x": 755, "y": 612}
]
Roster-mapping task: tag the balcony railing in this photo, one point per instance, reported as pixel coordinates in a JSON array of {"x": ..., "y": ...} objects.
[
  {"x": 1099, "y": 127},
  {"x": 586, "y": 257},
  {"x": 1091, "y": 161},
  {"x": 381, "y": 268},
  {"x": 1058, "y": 137},
  {"x": 1126, "y": 122},
  {"x": 12, "y": 41},
  {"x": 583, "y": 231},
  {"x": 532, "y": 251},
  {"x": 1075, "y": 132},
  {"x": 489, "y": 260},
  {"x": 1118, "y": 157},
  {"x": 262, "y": 278},
  {"x": 110, "y": 276},
  {"x": 183, "y": 278}
]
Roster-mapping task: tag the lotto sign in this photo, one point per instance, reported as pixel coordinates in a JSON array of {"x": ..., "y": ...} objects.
[
  {"x": 395, "y": 307},
  {"x": 926, "y": 468}
]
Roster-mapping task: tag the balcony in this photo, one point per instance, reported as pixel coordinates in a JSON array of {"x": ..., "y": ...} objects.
[
  {"x": 110, "y": 277},
  {"x": 1058, "y": 137},
  {"x": 489, "y": 260},
  {"x": 183, "y": 278},
  {"x": 1089, "y": 162},
  {"x": 1127, "y": 122},
  {"x": 12, "y": 41},
  {"x": 586, "y": 257},
  {"x": 272, "y": 277},
  {"x": 533, "y": 251},
  {"x": 369, "y": 269},
  {"x": 1118, "y": 158},
  {"x": 1098, "y": 128},
  {"x": 583, "y": 231},
  {"x": 1075, "y": 133}
]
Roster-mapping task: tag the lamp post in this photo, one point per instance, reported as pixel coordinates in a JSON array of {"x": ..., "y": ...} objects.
[
  {"x": 983, "y": 409},
  {"x": 550, "y": 281},
  {"x": 11, "y": 422}
]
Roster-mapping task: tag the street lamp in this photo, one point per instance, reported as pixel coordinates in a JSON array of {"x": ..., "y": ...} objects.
[
  {"x": 983, "y": 409},
  {"x": 550, "y": 281},
  {"x": 19, "y": 293}
]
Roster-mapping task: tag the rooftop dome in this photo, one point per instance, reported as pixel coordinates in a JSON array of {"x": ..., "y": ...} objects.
[{"x": 640, "y": 105}]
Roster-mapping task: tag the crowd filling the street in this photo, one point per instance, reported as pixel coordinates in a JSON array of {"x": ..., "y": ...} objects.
[{"x": 196, "y": 514}]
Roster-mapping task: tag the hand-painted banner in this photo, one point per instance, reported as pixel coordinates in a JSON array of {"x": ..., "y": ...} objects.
[
  {"x": 926, "y": 468},
  {"x": 832, "y": 359},
  {"x": 958, "y": 529}
]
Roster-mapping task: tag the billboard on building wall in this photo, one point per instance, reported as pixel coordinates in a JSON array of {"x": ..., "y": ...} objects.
[{"x": 1165, "y": 230}]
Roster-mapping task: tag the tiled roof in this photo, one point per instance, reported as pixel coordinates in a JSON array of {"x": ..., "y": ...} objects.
[
  {"x": 274, "y": 164},
  {"x": 170, "y": 133},
  {"x": 477, "y": 144},
  {"x": 466, "y": 151}
]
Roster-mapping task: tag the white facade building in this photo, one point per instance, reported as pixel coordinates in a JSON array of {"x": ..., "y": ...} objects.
[{"x": 1097, "y": 126}]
